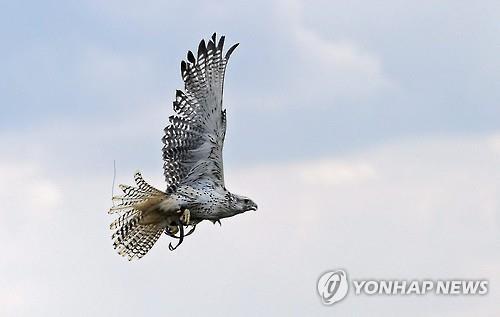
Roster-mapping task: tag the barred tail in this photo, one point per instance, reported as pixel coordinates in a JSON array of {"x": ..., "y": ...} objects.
[{"x": 132, "y": 238}]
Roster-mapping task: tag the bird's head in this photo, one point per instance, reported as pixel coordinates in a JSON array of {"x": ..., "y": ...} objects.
[{"x": 241, "y": 204}]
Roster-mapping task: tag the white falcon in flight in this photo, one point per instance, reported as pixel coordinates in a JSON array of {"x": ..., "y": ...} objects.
[{"x": 193, "y": 167}]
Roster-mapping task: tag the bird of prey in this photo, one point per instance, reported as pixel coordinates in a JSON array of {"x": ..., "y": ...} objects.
[{"x": 192, "y": 155}]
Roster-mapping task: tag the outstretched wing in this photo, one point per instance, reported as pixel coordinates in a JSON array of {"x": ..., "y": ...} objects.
[{"x": 195, "y": 135}]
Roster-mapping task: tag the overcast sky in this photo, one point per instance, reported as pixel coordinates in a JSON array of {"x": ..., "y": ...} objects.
[{"x": 367, "y": 132}]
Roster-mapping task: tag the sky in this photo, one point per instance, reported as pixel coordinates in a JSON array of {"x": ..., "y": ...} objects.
[{"x": 367, "y": 132}]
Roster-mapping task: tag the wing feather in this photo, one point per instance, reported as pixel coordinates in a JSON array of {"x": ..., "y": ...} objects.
[{"x": 194, "y": 137}]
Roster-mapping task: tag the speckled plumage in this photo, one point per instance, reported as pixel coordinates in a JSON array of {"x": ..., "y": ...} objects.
[{"x": 193, "y": 166}]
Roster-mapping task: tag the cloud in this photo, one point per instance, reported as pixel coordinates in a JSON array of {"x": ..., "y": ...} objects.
[
  {"x": 331, "y": 172},
  {"x": 120, "y": 79},
  {"x": 317, "y": 68},
  {"x": 30, "y": 204},
  {"x": 24, "y": 181},
  {"x": 414, "y": 209},
  {"x": 422, "y": 206},
  {"x": 323, "y": 172},
  {"x": 339, "y": 68},
  {"x": 494, "y": 143},
  {"x": 153, "y": 16}
]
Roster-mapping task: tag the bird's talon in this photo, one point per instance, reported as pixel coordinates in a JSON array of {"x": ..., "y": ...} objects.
[{"x": 181, "y": 238}]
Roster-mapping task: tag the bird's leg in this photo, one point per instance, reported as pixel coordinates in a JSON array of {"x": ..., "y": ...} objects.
[
  {"x": 181, "y": 238},
  {"x": 178, "y": 226},
  {"x": 185, "y": 216},
  {"x": 190, "y": 231}
]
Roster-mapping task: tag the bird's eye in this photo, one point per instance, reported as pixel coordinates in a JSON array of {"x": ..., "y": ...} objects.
[{"x": 246, "y": 201}]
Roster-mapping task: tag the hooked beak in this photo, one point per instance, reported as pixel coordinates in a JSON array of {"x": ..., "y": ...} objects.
[{"x": 253, "y": 207}]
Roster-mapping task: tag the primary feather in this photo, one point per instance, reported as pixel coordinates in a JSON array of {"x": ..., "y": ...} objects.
[{"x": 196, "y": 134}]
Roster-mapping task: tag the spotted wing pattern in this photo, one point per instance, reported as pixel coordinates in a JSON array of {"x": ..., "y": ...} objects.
[{"x": 195, "y": 135}]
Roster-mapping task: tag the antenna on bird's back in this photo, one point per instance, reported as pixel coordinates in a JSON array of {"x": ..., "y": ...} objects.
[{"x": 113, "y": 185}]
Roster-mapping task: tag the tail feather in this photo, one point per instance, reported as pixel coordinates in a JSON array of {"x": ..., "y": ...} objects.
[
  {"x": 134, "y": 195},
  {"x": 142, "y": 243},
  {"x": 137, "y": 244},
  {"x": 123, "y": 218},
  {"x": 131, "y": 238}
]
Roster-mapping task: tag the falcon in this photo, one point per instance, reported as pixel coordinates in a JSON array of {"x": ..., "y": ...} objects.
[{"x": 193, "y": 169}]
